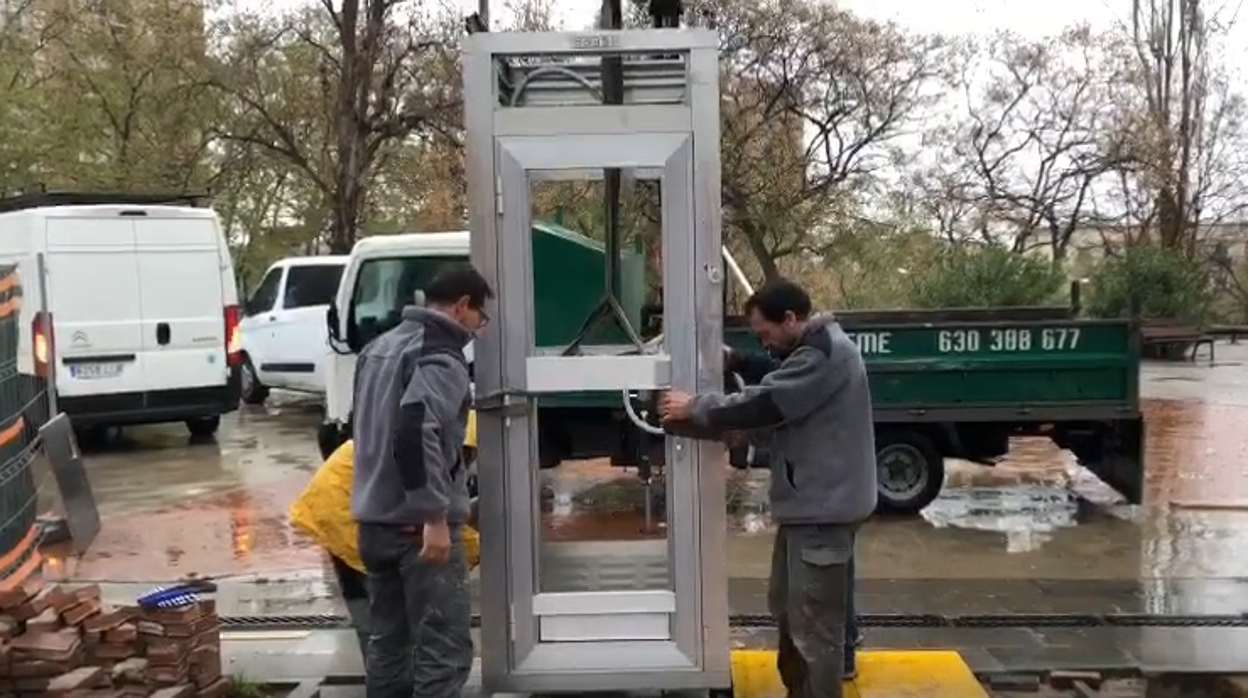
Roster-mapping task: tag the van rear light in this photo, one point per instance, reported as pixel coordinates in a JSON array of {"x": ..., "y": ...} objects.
[
  {"x": 42, "y": 342},
  {"x": 233, "y": 336}
]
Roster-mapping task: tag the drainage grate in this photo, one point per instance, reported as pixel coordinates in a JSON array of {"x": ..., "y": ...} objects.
[
  {"x": 1027, "y": 620},
  {"x": 868, "y": 620}
]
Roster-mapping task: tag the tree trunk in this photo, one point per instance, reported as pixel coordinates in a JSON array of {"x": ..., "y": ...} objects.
[{"x": 762, "y": 255}]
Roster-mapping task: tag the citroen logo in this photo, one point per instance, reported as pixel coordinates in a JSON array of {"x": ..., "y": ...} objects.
[{"x": 80, "y": 339}]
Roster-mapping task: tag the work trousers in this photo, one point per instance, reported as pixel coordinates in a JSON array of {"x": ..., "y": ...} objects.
[
  {"x": 809, "y": 597},
  {"x": 420, "y": 616},
  {"x": 354, "y": 587}
]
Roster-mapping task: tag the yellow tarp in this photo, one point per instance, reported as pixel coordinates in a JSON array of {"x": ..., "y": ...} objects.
[{"x": 323, "y": 510}]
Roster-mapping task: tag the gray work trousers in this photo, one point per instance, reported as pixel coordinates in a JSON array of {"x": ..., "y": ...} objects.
[
  {"x": 808, "y": 595},
  {"x": 420, "y": 616}
]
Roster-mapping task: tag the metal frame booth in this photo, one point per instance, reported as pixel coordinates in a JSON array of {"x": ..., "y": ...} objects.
[{"x": 615, "y": 615}]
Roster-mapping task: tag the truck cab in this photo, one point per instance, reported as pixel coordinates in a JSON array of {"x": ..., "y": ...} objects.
[
  {"x": 384, "y": 273},
  {"x": 380, "y": 276}
]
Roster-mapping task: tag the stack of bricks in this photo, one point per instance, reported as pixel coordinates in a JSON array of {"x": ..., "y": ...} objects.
[{"x": 67, "y": 643}]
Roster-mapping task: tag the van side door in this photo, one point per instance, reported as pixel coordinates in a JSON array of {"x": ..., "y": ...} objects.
[
  {"x": 259, "y": 318},
  {"x": 301, "y": 341}
]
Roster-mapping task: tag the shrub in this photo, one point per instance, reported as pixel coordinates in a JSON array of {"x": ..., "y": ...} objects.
[
  {"x": 1164, "y": 282},
  {"x": 966, "y": 276}
]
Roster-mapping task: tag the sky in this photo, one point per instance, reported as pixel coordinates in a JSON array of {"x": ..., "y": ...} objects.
[{"x": 1027, "y": 17}]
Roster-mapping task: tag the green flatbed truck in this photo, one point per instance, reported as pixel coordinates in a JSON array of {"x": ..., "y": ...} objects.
[
  {"x": 946, "y": 384},
  {"x": 961, "y": 383}
]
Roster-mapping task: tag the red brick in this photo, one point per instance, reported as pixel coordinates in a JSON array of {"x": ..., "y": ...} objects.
[
  {"x": 167, "y": 653},
  {"x": 44, "y": 622},
  {"x": 205, "y": 666},
  {"x": 85, "y": 677},
  {"x": 205, "y": 656},
  {"x": 108, "y": 618},
  {"x": 90, "y": 592},
  {"x": 33, "y": 685},
  {"x": 123, "y": 634},
  {"x": 60, "y": 599},
  {"x": 115, "y": 653},
  {"x": 37, "y": 669},
  {"x": 52, "y": 646},
  {"x": 130, "y": 670},
  {"x": 32, "y": 606},
  {"x": 180, "y": 614},
  {"x": 180, "y": 691},
  {"x": 209, "y": 638},
  {"x": 167, "y": 675},
  {"x": 151, "y": 627},
  {"x": 12, "y": 598},
  {"x": 79, "y": 612}
]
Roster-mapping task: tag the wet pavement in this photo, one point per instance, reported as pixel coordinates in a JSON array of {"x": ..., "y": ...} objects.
[{"x": 1034, "y": 534}]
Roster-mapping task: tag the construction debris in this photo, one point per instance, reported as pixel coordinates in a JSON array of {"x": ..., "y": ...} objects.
[{"x": 63, "y": 642}]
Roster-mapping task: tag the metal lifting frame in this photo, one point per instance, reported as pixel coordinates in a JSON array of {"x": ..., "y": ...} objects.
[{"x": 534, "y": 110}]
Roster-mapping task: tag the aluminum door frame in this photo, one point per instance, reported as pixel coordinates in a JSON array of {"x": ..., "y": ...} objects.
[{"x": 506, "y": 146}]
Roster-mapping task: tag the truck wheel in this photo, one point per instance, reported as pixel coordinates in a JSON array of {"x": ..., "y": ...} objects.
[
  {"x": 254, "y": 393},
  {"x": 910, "y": 470},
  {"x": 203, "y": 427}
]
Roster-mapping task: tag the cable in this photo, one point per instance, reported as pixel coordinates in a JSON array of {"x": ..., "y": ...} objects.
[{"x": 646, "y": 426}]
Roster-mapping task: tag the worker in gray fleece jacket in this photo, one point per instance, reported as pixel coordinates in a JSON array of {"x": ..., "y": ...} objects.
[
  {"x": 817, "y": 404},
  {"x": 409, "y": 490}
]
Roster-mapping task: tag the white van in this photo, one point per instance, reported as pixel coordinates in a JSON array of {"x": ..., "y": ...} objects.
[
  {"x": 135, "y": 317},
  {"x": 285, "y": 339}
]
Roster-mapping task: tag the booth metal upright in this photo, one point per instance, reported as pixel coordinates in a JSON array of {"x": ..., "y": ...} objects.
[{"x": 614, "y": 615}]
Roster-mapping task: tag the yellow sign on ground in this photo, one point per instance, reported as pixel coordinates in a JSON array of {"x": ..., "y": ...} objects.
[{"x": 881, "y": 674}]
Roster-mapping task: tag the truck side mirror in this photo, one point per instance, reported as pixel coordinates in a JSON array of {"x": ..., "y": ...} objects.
[{"x": 331, "y": 318}]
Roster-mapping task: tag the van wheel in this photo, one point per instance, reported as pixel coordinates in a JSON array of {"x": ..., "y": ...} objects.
[
  {"x": 253, "y": 392},
  {"x": 910, "y": 470},
  {"x": 203, "y": 427}
]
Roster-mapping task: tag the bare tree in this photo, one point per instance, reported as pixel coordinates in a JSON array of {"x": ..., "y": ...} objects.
[
  {"x": 1182, "y": 123},
  {"x": 814, "y": 100},
  {"x": 1034, "y": 136},
  {"x": 331, "y": 87}
]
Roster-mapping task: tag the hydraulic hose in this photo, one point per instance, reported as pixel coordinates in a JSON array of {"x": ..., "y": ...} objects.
[{"x": 649, "y": 428}]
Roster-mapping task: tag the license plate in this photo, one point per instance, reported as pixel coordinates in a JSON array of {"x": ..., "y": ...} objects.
[{"x": 95, "y": 371}]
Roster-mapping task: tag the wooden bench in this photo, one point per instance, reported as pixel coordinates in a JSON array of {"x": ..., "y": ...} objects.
[
  {"x": 1171, "y": 340},
  {"x": 1234, "y": 332}
]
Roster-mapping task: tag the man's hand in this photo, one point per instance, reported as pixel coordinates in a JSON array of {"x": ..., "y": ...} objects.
[
  {"x": 435, "y": 542},
  {"x": 675, "y": 406}
]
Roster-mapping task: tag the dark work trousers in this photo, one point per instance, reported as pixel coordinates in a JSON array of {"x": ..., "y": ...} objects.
[
  {"x": 809, "y": 597},
  {"x": 420, "y": 616},
  {"x": 354, "y": 587},
  {"x": 853, "y": 634}
]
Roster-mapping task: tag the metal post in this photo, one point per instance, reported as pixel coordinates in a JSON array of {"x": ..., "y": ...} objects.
[
  {"x": 483, "y": 11},
  {"x": 612, "y": 93}
]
